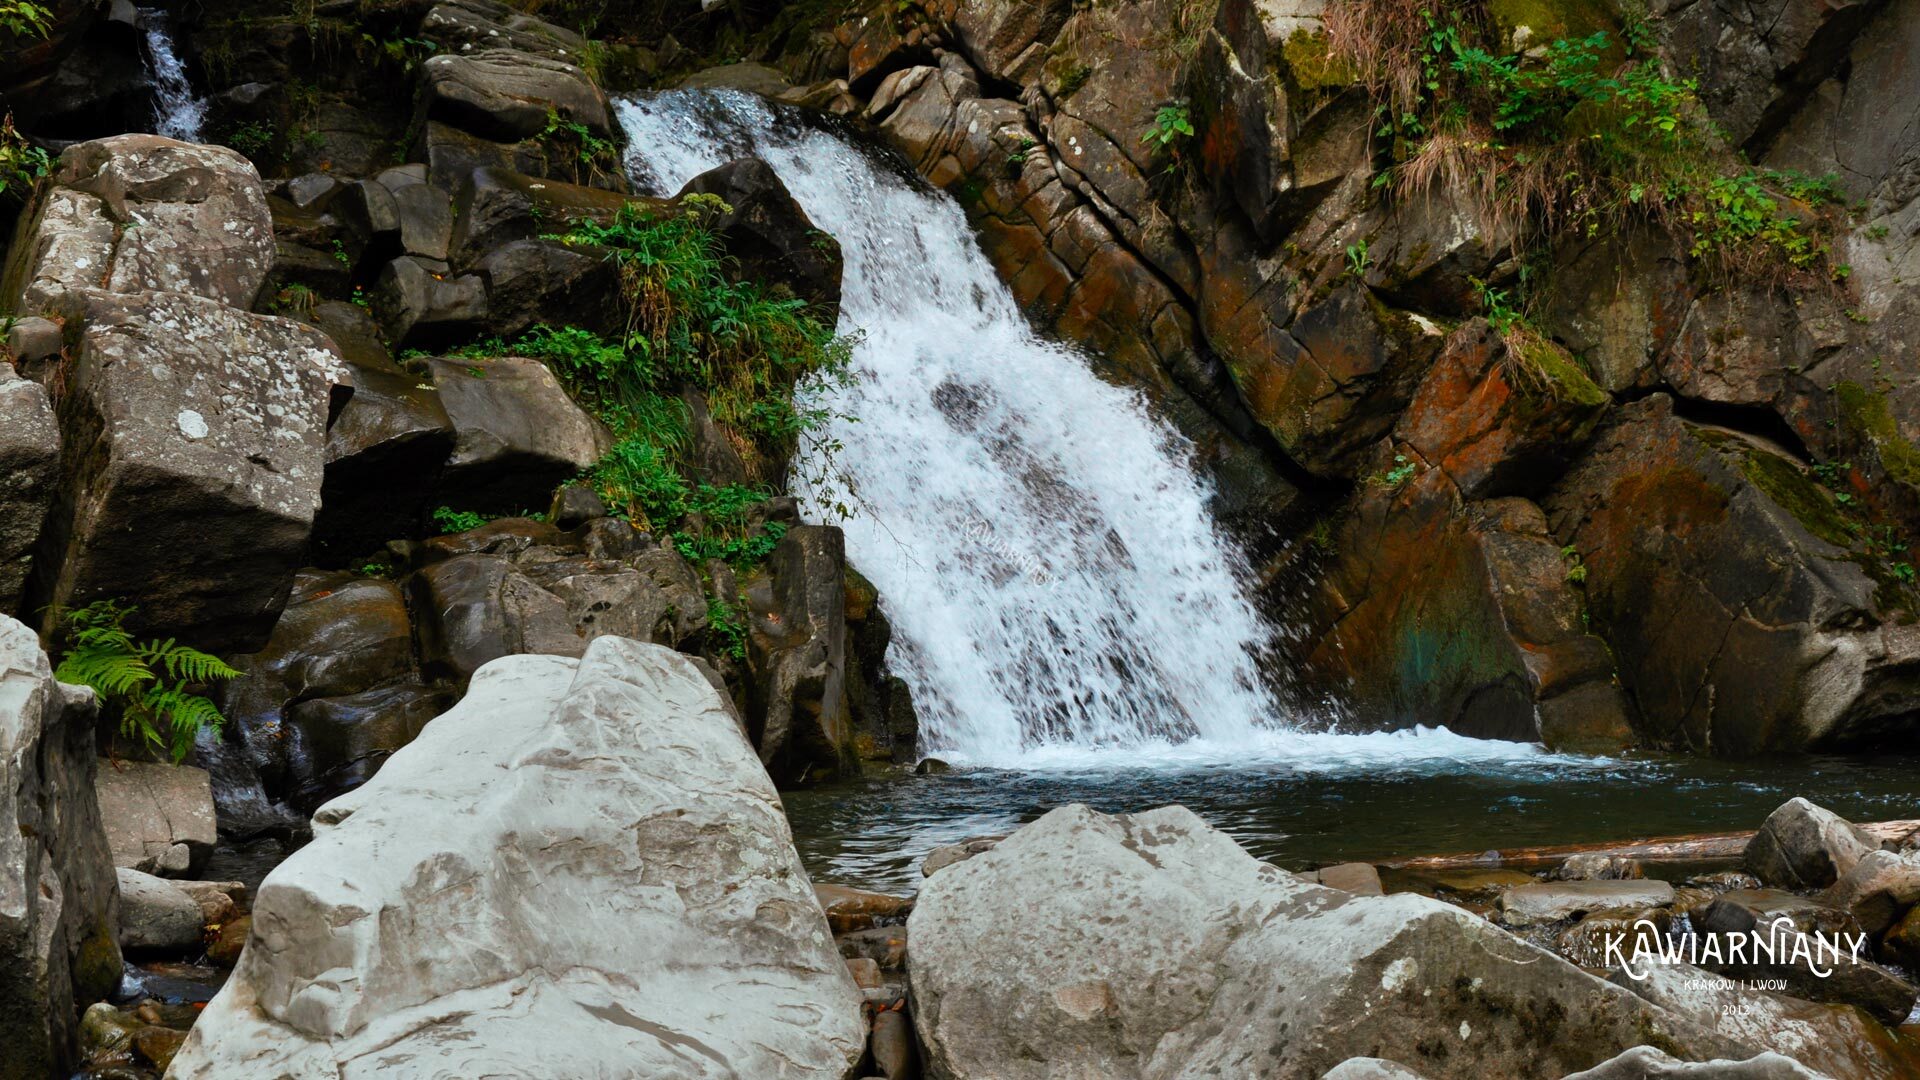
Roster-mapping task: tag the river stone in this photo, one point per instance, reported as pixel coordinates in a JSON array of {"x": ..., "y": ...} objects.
[
  {"x": 1879, "y": 889},
  {"x": 190, "y": 486},
  {"x": 948, "y": 854},
  {"x": 1740, "y": 911},
  {"x": 1548, "y": 901},
  {"x": 580, "y": 870},
  {"x": 1835, "y": 1039},
  {"x": 58, "y": 913},
  {"x": 140, "y": 213},
  {"x": 151, "y": 808},
  {"x": 29, "y": 469},
  {"x": 1649, "y": 1063},
  {"x": 518, "y": 434},
  {"x": 156, "y": 915},
  {"x": 1164, "y": 950},
  {"x": 1356, "y": 877},
  {"x": 1803, "y": 846},
  {"x": 1368, "y": 1068},
  {"x": 507, "y": 95}
]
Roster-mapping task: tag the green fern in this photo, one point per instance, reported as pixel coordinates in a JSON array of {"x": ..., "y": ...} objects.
[{"x": 147, "y": 680}]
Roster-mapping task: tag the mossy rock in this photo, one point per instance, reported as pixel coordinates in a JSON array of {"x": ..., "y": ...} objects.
[
  {"x": 1867, "y": 414},
  {"x": 1564, "y": 379},
  {"x": 1544, "y": 21},
  {"x": 1786, "y": 484},
  {"x": 1312, "y": 65}
]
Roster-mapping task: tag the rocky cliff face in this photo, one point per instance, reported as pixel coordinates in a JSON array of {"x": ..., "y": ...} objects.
[{"x": 1254, "y": 210}]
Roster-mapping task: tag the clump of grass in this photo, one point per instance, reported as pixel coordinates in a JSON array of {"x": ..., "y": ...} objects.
[{"x": 1575, "y": 136}]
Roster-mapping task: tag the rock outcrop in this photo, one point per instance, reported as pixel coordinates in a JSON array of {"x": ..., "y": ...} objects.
[
  {"x": 1167, "y": 951},
  {"x": 452, "y": 912},
  {"x": 160, "y": 818},
  {"x": 58, "y": 916}
]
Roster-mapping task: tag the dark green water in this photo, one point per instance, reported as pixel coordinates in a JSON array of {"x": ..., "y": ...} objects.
[{"x": 873, "y": 832}]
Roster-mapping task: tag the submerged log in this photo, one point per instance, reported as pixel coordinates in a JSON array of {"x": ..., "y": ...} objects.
[{"x": 1700, "y": 847}]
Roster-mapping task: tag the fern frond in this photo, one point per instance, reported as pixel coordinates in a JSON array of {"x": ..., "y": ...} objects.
[{"x": 111, "y": 672}]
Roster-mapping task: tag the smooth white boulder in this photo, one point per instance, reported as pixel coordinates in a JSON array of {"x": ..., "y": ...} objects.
[
  {"x": 582, "y": 870},
  {"x": 1151, "y": 946}
]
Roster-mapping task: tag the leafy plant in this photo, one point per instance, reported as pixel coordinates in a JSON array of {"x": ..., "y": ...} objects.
[
  {"x": 151, "y": 681},
  {"x": 1171, "y": 123},
  {"x": 251, "y": 138},
  {"x": 449, "y": 520},
  {"x": 1402, "y": 471},
  {"x": 22, "y": 164},
  {"x": 729, "y": 627},
  {"x": 1576, "y": 569},
  {"x": 1357, "y": 259},
  {"x": 24, "y": 19},
  {"x": 592, "y": 157}
]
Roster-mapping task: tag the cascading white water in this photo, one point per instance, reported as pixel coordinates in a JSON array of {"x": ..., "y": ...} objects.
[
  {"x": 1050, "y": 568},
  {"x": 179, "y": 113}
]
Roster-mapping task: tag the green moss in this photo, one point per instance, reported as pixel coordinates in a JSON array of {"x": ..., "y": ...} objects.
[
  {"x": 1547, "y": 20},
  {"x": 1566, "y": 381},
  {"x": 96, "y": 969},
  {"x": 1866, "y": 412},
  {"x": 1312, "y": 64},
  {"x": 1788, "y": 485}
]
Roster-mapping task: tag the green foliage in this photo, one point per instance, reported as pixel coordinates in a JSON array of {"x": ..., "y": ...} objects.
[
  {"x": 1498, "y": 307},
  {"x": 1357, "y": 259},
  {"x": 24, "y": 19},
  {"x": 405, "y": 53},
  {"x": 1575, "y": 135},
  {"x": 1402, "y": 471},
  {"x": 22, "y": 164},
  {"x": 251, "y": 138},
  {"x": 729, "y": 627},
  {"x": 590, "y": 156},
  {"x": 1171, "y": 123},
  {"x": 449, "y": 520},
  {"x": 149, "y": 681},
  {"x": 1576, "y": 569}
]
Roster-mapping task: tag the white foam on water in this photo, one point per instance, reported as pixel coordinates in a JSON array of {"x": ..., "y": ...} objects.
[{"x": 179, "y": 113}]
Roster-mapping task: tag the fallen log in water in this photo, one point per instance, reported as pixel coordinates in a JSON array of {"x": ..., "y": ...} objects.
[{"x": 1701, "y": 847}]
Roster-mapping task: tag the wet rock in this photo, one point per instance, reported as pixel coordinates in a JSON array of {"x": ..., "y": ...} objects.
[
  {"x": 59, "y": 919},
  {"x": 421, "y": 307},
  {"x": 345, "y": 739},
  {"x": 506, "y": 95},
  {"x": 1598, "y": 866},
  {"x": 857, "y": 909},
  {"x": 574, "y": 505},
  {"x": 797, "y": 653},
  {"x": 1741, "y": 911},
  {"x": 105, "y": 1030},
  {"x": 865, "y": 972},
  {"x": 519, "y": 435},
  {"x": 193, "y": 465},
  {"x": 227, "y": 943},
  {"x": 948, "y": 854},
  {"x": 151, "y": 808},
  {"x": 477, "y": 608},
  {"x": 1812, "y": 971},
  {"x": 1476, "y": 883},
  {"x": 384, "y": 454},
  {"x": 892, "y": 1041},
  {"x": 29, "y": 468},
  {"x": 158, "y": 1045},
  {"x": 150, "y": 214},
  {"x": 754, "y": 78},
  {"x": 218, "y": 900},
  {"x": 156, "y": 915},
  {"x": 886, "y": 946},
  {"x": 768, "y": 232},
  {"x": 504, "y": 536},
  {"x": 1803, "y": 846},
  {"x": 542, "y": 282},
  {"x": 1549, "y": 901},
  {"x": 1480, "y": 594},
  {"x": 1606, "y": 938},
  {"x": 630, "y": 779},
  {"x": 1501, "y": 417},
  {"x": 1878, "y": 890},
  {"x": 1721, "y": 575},
  {"x": 1359, "y": 878},
  {"x": 1161, "y": 936},
  {"x": 1836, "y": 1040},
  {"x": 495, "y": 207}
]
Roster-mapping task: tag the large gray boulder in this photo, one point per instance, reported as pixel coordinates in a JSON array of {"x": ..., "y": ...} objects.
[
  {"x": 159, "y": 818},
  {"x": 29, "y": 468},
  {"x": 518, "y": 435},
  {"x": 1164, "y": 950},
  {"x": 1803, "y": 846},
  {"x": 156, "y": 916},
  {"x": 507, "y": 95},
  {"x": 139, "y": 213},
  {"x": 57, "y": 913},
  {"x": 580, "y": 870},
  {"x": 193, "y": 465}
]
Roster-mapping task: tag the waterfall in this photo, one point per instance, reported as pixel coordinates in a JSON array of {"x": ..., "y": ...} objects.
[
  {"x": 1042, "y": 544},
  {"x": 178, "y": 111}
]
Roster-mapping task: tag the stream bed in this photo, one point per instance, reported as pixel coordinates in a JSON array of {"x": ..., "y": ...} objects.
[{"x": 1380, "y": 797}]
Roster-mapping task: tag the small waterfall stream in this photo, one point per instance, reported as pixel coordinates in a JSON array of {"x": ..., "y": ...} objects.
[
  {"x": 179, "y": 113},
  {"x": 1047, "y": 556}
]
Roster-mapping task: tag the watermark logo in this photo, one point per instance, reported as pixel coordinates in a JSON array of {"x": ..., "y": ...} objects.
[{"x": 1639, "y": 950}]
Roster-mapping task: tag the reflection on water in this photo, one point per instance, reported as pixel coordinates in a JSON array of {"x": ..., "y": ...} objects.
[{"x": 873, "y": 832}]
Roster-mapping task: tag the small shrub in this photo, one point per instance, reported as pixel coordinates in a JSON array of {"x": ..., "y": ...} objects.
[
  {"x": 1172, "y": 123},
  {"x": 1402, "y": 471},
  {"x": 728, "y": 627},
  {"x": 449, "y": 520},
  {"x": 22, "y": 164},
  {"x": 24, "y": 19},
  {"x": 150, "y": 682}
]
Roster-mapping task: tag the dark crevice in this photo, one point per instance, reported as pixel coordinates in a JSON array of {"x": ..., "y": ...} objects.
[{"x": 1756, "y": 421}]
